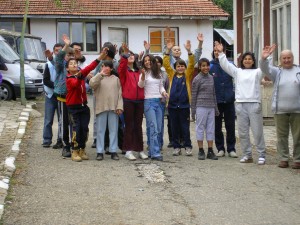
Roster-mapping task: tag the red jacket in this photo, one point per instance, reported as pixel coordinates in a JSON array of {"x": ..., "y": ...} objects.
[
  {"x": 76, "y": 92},
  {"x": 129, "y": 82}
]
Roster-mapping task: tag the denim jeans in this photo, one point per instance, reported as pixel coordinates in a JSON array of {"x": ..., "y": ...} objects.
[
  {"x": 153, "y": 114},
  {"x": 102, "y": 119},
  {"x": 50, "y": 108}
]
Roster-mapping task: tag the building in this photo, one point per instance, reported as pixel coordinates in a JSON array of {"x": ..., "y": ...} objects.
[
  {"x": 264, "y": 22},
  {"x": 93, "y": 22}
]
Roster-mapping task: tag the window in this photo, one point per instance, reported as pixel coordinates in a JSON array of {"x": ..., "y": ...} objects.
[
  {"x": 248, "y": 6},
  {"x": 280, "y": 27},
  {"x": 158, "y": 38},
  {"x": 82, "y": 32},
  {"x": 13, "y": 25},
  {"x": 117, "y": 36}
]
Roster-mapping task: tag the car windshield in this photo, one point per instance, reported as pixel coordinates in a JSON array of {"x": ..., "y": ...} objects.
[
  {"x": 33, "y": 49},
  {"x": 7, "y": 52}
]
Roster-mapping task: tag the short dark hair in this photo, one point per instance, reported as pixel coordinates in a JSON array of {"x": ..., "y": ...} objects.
[
  {"x": 253, "y": 58},
  {"x": 57, "y": 45},
  {"x": 202, "y": 60},
  {"x": 108, "y": 63},
  {"x": 179, "y": 62},
  {"x": 68, "y": 62},
  {"x": 75, "y": 43}
]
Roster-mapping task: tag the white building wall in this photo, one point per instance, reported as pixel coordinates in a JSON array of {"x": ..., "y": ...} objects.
[
  {"x": 45, "y": 28},
  {"x": 137, "y": 33}
]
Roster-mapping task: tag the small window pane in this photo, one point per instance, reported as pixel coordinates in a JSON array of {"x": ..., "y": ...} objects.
[
  {"x": 62, "y": 28},
  {"x": 77, "y": 33},
  {"x": 288, "y": 28},
  {"x": 7, "y": 25},
  {"x": 248, "y": 6},
  {"x": 19, "y": 25},
  {"x": 91, "y": 37}
]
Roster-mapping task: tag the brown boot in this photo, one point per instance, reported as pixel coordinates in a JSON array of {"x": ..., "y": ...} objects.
[
  {"x": 75, "y": 156},
  {"x": 83, "y": 155}
]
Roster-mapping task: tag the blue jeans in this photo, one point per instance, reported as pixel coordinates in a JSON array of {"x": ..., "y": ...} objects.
[
  {"x": 50, "y": 107},
  {"x": 102, "y": 119},
  {"x": 153, "y": 114}
]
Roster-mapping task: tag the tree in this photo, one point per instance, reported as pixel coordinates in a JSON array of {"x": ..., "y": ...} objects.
[
  {"x": 22, "y": 77},
  {"x": 227, "y": 5}
]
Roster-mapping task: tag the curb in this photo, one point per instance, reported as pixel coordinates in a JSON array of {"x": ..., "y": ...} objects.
[{"x": 9, "y": 164}]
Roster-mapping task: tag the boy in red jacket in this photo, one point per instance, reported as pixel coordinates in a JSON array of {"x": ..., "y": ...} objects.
[{"x": 76, "y": 102}]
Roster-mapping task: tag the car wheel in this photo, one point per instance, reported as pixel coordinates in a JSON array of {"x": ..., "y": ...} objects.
[{"x": 6, "y": 92}]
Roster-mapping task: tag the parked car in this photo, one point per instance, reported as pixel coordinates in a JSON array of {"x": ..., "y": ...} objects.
[
  {"x": 10, "y": 70},
  {"x": 33, "y": 48}
]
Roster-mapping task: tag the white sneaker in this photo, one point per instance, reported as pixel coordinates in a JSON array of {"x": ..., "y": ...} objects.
[
  {"x": 232, "y": 154},
  {"x": 130, "y": 156},
  {"x": 261, "y": 161},
  {"x": 188, "y": 151},
  {"x": 220, "y": 153},
  {"x": 143, "y": 155},
  {"x": 177, "y": 152}
]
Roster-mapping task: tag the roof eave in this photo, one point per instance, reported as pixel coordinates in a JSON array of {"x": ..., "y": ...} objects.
[{"x": 142, "y": 17}]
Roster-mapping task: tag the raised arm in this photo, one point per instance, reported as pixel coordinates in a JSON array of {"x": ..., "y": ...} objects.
[
  {"x": 265, "y": 65},
  {"x": 228, "y": 67},
  {"x": 198, "y": 50},
  {"x": 191, "y": 59}
]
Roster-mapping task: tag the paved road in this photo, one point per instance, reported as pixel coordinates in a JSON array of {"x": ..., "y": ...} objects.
[{"x": 181, "y": 190}]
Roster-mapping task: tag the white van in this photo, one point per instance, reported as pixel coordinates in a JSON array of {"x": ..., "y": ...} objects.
[
  {"x": 33, "y": 48},
  {"x": 10, "y": 70}
]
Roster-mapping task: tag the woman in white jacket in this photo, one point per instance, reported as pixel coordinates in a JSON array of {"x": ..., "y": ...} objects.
[{"x": 248, "y": 103}]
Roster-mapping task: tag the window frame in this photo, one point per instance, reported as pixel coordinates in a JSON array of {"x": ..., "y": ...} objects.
[
  {"x": 14, "y": 21},
  {"x": 84, "y": 36},
  {"x": 163, "y": 39},
  {"x": 281, "y": 34}
]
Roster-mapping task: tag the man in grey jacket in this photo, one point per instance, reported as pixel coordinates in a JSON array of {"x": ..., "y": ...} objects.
[{"x": 285, "y": 103}]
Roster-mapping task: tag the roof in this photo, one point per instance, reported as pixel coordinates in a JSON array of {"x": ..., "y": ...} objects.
[
  {"x": 16, "y": 34},
  {"x": 227, "y": 35},
  {"x": 144, "y": 9}
]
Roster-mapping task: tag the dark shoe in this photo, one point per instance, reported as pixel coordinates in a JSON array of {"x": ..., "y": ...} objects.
[
  {"x": 211, "y": 155},
  {"x": 201, "y": 155},
  {"x": 123, "y": 152},
  {"x": 296, "y": 165},
  {"x": 114, "y": 156},
  {"x": 158, "y": 158},
  {"x": 66, "y": 152},
  {"x": 170, "y": 145},
  {"x": 283, "y": 164},
  {"x": 58, "y": 145},
  {"x": 46, "y": 145},
  {"x": 94, "y": 143},
  {"x": 99, "y": 156}
]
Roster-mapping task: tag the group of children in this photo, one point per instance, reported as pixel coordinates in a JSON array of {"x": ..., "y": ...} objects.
[{"x": 141, "y": 87}]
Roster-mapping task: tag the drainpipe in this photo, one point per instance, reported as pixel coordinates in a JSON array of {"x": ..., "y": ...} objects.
[{"x": 257, "y": 29}]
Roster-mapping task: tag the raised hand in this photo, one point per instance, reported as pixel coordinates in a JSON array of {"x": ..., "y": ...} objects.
[
  {"x": 141, "y": 54},
  {"x": 66, "y": 39},
  {"x": 48, "y": 53},
  {"x": 103, "y": 53},
  {"x": 147, "y": 45},
  {"x": 125, "y": 48},
  {"x": 219, "y": 47},
  {"x": 200, "y": 37},
  {"x": 170, "y": 44},
  {"x": 188, "y": 46},
  {"x": 267, "y": 51}
]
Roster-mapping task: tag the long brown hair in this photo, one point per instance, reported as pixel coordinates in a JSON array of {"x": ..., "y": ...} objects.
[{"x": 155, "y": 71}]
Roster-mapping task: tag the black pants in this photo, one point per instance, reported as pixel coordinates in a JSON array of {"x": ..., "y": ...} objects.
[
  {"x": 80, "y": 119},
  {"x": 227, "y": 111}
]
